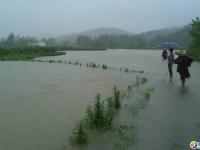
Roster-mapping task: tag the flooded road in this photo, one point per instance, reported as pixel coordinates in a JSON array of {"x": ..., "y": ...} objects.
[{"x": 41, "y": 102}]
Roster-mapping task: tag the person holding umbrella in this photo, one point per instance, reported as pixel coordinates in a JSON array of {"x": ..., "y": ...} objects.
[
  {"x": 170, "y": 46},
  {"x": 183, "y": 63}
]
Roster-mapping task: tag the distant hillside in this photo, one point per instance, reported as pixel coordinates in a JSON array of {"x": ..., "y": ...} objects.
[
  {"x": 178, "y": 35},
  {"x": 118, "y": 38},
  {"x": 94, "y": 33},
  {"x": 159, "y": 32}
]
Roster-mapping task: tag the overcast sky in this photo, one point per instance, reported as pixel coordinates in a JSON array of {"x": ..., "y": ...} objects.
[{"x": 59, "y": 17}]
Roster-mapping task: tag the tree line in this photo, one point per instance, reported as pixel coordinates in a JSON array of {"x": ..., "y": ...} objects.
[
  {"x": 139, "y": 41},
  {"x": 194, "y": 48}
]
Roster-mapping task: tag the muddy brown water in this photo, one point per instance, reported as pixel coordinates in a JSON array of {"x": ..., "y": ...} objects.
[{"x": 41, "y": 102}]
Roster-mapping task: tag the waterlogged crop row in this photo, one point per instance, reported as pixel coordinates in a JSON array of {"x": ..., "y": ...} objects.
[
  {"x": 101, "y": 114},
  {"x": 92, "y": 65}
]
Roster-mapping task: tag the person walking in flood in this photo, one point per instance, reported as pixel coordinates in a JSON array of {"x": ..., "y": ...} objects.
[
  {"x": 170, "y": 62},
  {"x": 184, "y": 62}
]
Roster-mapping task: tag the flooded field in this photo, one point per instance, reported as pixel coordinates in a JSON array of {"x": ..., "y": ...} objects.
[{"x": 41, "y": 102}]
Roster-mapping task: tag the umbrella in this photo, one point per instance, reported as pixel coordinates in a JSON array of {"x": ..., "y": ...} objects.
[{"x": 168, "y": 45}]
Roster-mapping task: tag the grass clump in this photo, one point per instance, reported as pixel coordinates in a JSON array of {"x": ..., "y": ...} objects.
[
  {"x": 59, "y": 61},
  {"x": 126, "y": 135},
  {"x": 100, "y": 115},
  {"x": 116, "y": 97},
  {"x": 98, "y": 112},
  {"x": 104, "y": 66},
  {"x": 80, "y": 135},
  {"x": 51, "y": 61}
]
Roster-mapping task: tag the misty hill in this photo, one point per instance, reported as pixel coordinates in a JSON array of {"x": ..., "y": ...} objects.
[
  {"x": 118, "y": 38},
  {"x": 145, "y": 40},
  {"x": 159, "y": 32},
  {"x": 94, "y": 33},
  {"x": 102, "y": 38}
]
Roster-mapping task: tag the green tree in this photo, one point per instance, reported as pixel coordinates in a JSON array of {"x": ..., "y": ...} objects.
[{"x": 194, "y": 48}]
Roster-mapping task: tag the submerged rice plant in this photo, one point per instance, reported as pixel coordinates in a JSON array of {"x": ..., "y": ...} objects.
[
  {"x": 104, "y": 66},
  {"x": 126, "y": 135},
  {"x": 51, "y": 61},
  {"x": 98, "y": 112},
  {"x": 116, "y": 97},
  {"x": 109, "y": 112},
  {"x": 90, "y": 117},
  {"x": 80, "y": 135},
  {"x": 59, "y": 61}
]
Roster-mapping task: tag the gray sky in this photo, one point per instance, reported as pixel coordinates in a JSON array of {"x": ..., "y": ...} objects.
[{"x": 59, "y": 17}]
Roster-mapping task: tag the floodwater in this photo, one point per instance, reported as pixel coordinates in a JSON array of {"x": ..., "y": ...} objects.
[{"x": 41, "y": 102}]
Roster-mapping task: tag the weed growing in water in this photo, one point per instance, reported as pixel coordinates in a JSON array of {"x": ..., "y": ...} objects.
[
  {"x": 126, "y": 135},
  {"x": 90, "y": 117},
  {"x": 143, "y": 80},
  {"x": 98, "y": 112},
  {"x": 116, "y": 97},
  {"x": 109, "y": 112},
  {"x": 80, "y": 135},
  {"x": 104, "y": 66},
  {"x": 59, "y": 61},
  {"x": 51, "y": 61}
]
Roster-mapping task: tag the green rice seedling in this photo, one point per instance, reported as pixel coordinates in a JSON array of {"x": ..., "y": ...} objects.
[
  {"x": 76, "y": 63},
  {"x": 116, "y": 97},
  {"x": 90, "y": 117},
  {"x": 126, "y": 70},
  {"x": 129, "y": 91},
  {"x": 147, "y": 93},
  {"x": 130, "y": 88},
  {"x": 126, "y": 135},
  {"x": 94, "y": 65},
  {"x": 122, "y": 94},
  {"x": 137, "y": 81},
  {"x": 104, "y": 66},
  {"x": 98, "y": 112},
  {"x": 133, "y": 70},
  {"x": 143, "y": 80},
  {"x": 109, "y": 112},
  {"x": 141, "y": 71},
  {"x": 51, "y": 61},
  {"x": 80, "y": 135},
  {"x": 135, "y": 109},
  {"x": 59, "y": 61}
]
